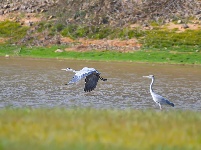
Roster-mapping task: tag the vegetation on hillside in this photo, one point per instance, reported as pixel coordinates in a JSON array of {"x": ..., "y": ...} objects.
[
  {"x": 12, "y": 31},
  {"x": 162, "y": 38}
]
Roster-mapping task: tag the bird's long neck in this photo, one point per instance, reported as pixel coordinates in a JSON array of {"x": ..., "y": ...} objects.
[
  {"x": 72, "y": 70},
  {"x": 152, "y": 82}
]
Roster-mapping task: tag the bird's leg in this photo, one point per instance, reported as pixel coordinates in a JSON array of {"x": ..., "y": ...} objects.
[
  {"x": 102, "y": 78},
  {"x": 160, "y": 106}
]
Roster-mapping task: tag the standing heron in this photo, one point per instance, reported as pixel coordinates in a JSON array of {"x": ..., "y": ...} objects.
[
  {"x": 91, "y": 76},
  {"x": 157, "y": 98}
]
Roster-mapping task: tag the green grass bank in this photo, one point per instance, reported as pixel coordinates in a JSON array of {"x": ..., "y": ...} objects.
[
  {"x": 137, "y": 56},
  {"x": 99, "y": 129}
]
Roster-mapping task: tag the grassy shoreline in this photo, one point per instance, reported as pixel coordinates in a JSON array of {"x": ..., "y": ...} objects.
[
  {"x": 99, "y": 129},
  {"x": 86, "y": 129},
  {"x": 151, "y": 56}
]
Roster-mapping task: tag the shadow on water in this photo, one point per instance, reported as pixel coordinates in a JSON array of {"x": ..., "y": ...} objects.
[{"x": 27, "y": 82}]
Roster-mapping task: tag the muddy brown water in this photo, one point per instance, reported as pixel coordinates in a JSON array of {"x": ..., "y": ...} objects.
[{"x": 40, "y": 83}]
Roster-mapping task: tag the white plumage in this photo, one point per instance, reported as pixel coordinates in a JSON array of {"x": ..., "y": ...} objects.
[
  {"x": 91, "y": 76},
  {"x": 157, "y": 98}
]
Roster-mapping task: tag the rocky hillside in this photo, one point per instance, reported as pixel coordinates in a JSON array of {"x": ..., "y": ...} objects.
[
  {"x": 26, "y": 6},
  {"x": 93, "y": 13},
  {"x": 109, "y": 12}
]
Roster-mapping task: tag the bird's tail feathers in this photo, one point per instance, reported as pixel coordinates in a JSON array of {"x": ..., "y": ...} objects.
[{"x": 169, "y": 103}]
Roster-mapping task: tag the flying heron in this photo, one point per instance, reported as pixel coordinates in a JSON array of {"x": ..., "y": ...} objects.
[
  {"x": 91, "y": 76},
  {"x": 157, "y": 98}
]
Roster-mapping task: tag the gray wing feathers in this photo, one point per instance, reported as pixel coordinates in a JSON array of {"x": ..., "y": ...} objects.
[
  {"x": 75, "y": 79},
  {"x": 165, "y": 101},
  {"x": 169, "y": 103},
  {"x": 160, "y": 99},
  {"x": 78, "y": 76},
  {"x": 91, "y": 82}
]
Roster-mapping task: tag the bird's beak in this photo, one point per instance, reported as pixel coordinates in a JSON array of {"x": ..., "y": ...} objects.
[
  {"x": 64, "y": 69},
  {"x": 145, "y": 76}
]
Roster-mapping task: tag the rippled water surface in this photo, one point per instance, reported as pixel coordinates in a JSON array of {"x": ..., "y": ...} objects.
[{"x": 27, "y": 82}]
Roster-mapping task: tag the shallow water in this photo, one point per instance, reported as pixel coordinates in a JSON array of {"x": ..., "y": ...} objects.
[{"x": 38, "y": 83}]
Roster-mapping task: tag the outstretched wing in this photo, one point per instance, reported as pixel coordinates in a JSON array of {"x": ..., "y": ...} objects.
[
  {"x": 91, "y": 81},
  {"x": 79, "y": 75}
]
